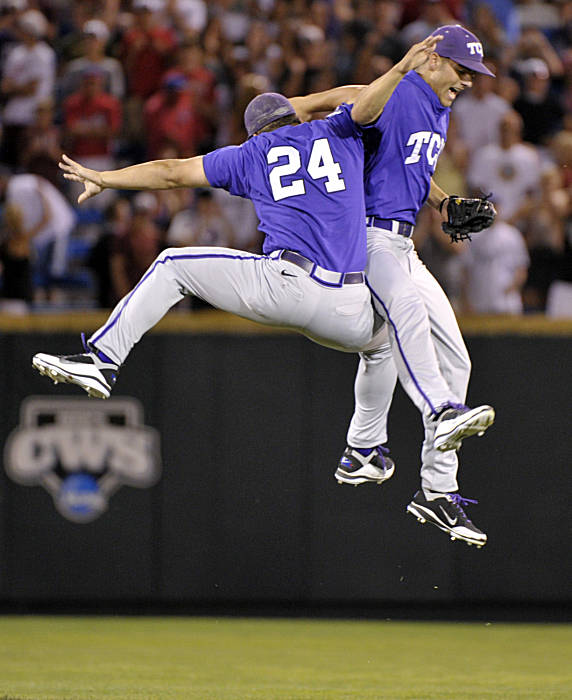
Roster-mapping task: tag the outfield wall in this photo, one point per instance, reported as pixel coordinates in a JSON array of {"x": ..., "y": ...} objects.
[{"x": 251, "y": 424}]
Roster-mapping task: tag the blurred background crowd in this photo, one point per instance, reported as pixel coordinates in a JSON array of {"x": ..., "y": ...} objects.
[{"x": 113, "y": 82}]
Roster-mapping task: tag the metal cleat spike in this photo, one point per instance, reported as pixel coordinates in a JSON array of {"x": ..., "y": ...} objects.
[
  {"x": 340, "y": 481},
  {"x": 481, "y": 433}
]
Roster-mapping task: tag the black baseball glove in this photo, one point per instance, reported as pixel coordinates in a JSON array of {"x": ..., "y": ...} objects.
[{"x": 466, "y": 216}]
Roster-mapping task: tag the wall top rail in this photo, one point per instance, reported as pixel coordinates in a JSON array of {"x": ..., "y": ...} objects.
[{"x": 219, "y": 322}]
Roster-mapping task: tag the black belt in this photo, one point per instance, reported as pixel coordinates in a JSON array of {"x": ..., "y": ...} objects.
[
  {"x": 400, "y": 227},
  {"x": 320, "y": 274}
]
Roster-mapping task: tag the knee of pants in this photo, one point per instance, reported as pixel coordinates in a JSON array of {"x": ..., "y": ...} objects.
[
  {"x": 377, "y": 355},
  {"x": 166, "y": 256},
  {"x": 163, "y": 263}
]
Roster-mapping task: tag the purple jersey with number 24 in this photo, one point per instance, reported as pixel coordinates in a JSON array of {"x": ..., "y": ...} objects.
[
  {"x": 306, "y": 183},
  {"x": 402, "y": 149}
]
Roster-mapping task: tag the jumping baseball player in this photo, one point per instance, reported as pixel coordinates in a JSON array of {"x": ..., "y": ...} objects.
[
  {"x": 403, "y": 146},
  {"x": 406, "y": 134}
]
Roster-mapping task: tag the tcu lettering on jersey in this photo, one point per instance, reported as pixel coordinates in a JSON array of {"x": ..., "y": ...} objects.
[
  {"x": 433, "y": 143},
  {"x": 475, "y": 47}
]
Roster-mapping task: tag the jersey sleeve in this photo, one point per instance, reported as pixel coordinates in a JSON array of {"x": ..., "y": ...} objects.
[
  {"x": 342, "y": 122},
  {"x": 225, "y": 168},
  {"x": 388, "y": 113}
]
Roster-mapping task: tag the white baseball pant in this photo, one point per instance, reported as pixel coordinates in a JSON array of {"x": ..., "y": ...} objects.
[
  {"x": 262, "y": 288},
  {"x": 427, "y": 353}
]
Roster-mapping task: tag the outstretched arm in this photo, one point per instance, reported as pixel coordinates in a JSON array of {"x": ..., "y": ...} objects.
[
  {"x": 153, "y": 175},
  {"x": 370, "y": 102}
]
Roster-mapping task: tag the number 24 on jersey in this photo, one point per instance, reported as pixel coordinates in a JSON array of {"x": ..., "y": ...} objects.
[{"x": 321, "y": 164}]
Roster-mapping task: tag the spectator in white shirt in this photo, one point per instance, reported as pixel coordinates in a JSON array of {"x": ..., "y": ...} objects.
[
  {"x": 509, "y": 169},
  {"x": 495, "y": 266},
  {"x": 27, "y": 194},
  {"x": 478, "y": 114},
  {"x": 95, "y": 37},
  {"x": 28, "y": 78}
]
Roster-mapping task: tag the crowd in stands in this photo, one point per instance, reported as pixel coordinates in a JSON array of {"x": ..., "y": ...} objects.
[{"x": 114, "y": 82}]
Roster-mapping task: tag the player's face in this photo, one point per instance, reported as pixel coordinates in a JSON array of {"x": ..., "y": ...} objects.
[{"x": 450, "y": 79}]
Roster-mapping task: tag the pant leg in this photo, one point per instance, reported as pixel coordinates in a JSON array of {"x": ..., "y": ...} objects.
[
  {"x": 248, "y": 285},
  {"x": 373, "y": 391},
  {"x": 439, "y": 469},
  {"x": 397, "y": 299}
]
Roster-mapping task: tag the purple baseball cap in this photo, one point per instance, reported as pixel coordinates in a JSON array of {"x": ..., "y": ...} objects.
[
  {"x": 461, "y": 46},
  {"x": 265, "y": 109}
]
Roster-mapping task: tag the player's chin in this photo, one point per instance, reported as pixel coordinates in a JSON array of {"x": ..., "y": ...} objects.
[{"x": 448, "y": 98}]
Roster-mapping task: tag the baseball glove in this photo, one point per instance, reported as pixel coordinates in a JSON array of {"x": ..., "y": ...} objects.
[{"x": 466, "y": 216}]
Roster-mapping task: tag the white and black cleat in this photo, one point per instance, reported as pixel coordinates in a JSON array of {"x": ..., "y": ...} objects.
[
  {"x": 96, "y": 376},
  {"x": 364, "y": 466},
  {"x": 445, "y": 511},
  {"x": 457, "y": 422}
]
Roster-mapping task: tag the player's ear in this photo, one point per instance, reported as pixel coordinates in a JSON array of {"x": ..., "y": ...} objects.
[{"x": 435, "y": 61}]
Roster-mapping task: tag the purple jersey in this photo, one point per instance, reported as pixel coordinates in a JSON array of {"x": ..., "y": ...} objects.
[
  {"x": 306, "y": 183},
  {"x": 402, "y": 149}
]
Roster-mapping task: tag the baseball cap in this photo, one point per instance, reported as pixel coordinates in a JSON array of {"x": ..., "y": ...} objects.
[
  {"x": 96, "y": 28},
  {"x": 174, "y": 81},
  {"x": 34, "y": 23},
  {"x": 461, "y": 46},
  {"x": 144, "y": 202},
  {"x": 147, "y": 5},
  {"x": 265, "y": 109},
  {"x": 14, "y": 5},
  {"x": 534, "y": 66}
]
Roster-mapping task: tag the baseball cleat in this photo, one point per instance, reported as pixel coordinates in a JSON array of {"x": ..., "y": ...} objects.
[
  {"x": 445, "y": 511},
  {"x": 361, "y": 466},
  {"x": 95, "y": 375},
  {"x": 457, "y": 422}
]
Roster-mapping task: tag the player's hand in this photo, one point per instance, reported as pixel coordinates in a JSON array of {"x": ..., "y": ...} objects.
[
  {"x": 419, "y": 53},
  {"x": 90, "y": 179}
]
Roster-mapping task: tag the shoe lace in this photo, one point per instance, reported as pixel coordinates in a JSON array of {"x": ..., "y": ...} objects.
[{"x": 459, "y": 502}]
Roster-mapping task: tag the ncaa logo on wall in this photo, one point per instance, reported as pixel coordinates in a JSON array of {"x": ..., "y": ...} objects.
[{"x": 81, "y": 451}]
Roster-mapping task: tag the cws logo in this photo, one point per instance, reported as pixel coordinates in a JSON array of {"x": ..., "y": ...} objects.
[{"x": 81, "y": 452}]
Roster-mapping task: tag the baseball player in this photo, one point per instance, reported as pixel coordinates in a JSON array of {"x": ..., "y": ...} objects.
[
  {"x": 306, "y": 181},
  {"x": 406, "y": 134}
]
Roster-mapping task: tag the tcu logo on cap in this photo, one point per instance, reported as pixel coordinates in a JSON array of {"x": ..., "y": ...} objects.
[{"x": 475, "y": 47}]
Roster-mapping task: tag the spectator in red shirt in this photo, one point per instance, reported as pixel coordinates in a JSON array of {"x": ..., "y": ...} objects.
[
  {"x": 201, "y": 86},
  {"x": 92, "y": 120},
  {"x": 145, "y": 49},
  {"x": 171, "y": 119}
]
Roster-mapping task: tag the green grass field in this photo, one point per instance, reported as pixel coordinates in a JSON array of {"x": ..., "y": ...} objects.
[{"x": 118, "y": 657}]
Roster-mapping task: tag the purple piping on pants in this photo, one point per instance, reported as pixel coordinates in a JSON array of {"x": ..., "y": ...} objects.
[
  {"x": 161, "y": 262},
  {"x": 401, "y": 352}
]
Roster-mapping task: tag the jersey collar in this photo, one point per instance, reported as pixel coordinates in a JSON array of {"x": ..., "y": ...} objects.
[{"x": 416, "y": 79}]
